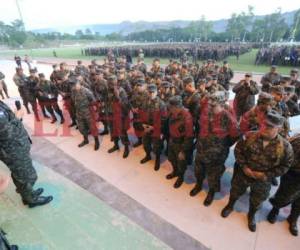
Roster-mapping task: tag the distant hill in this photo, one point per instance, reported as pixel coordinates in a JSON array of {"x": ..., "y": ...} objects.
[{"x": 128, "y": 27}]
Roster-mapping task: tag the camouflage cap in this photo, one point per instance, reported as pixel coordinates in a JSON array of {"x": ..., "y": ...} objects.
[
  {"x": 41, "y": 75},
  {"x": 166, "y": 84},
  {"x": 140, "y": 82},
  {"x": 274, "y": 66},
  {"x": 152, "y": 88},
  {"x": 176, "y": 101},
  {"x": 218, "y": 96},
  {"x": 289, "y": 89},
  {"x": 294, "y": 71},
  {"x": 187, "y": 80},
  {"x": 265, "y": 98},
  {"x": 201, "y": 81},
  {"x": 72, "y": 80},
  {"x": 277, "y": 89},
  {"x": 33, "y": 70},
  {"x": 274, "y": 119},
  {"x": 112, "y": 78}
]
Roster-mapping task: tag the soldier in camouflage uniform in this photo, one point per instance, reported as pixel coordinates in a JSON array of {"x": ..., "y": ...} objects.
[
  {"x": 3, "y": 86},
  {"x": 20, "y": 80},
  {"x": 270, "y": 79},
  {"x": 15, "y": 153},
  {"x": 85, "y": 104},
  {"x": 218, "y": 132},
  {"x": 245, "y": 92},
  {"x": 181, "y": 138},
  {"x": 47, "y": 94},
  {"x": 137, "y": 101},
  {"x": 291, "y": 100},
  {"x": 100, "y": 91},
  {"x": 294, "y": 75},
  {"x": 81, "y": 69},
  {"x": 118, "y": 108},
  {"x": 260, "y": 156},
  {"x": 153, "y": 123},
  {"x": 225, "y": 74},
  {"x": 289, "y": 190}
]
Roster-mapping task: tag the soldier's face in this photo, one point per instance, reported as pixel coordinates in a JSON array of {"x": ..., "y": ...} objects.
[
  {"x": 269, "y": 132},
  {"x": 77, "y": 86},
  {"x": 153, "y": 94}
]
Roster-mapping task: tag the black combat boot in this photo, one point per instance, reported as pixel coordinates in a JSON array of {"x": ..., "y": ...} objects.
[
  {"x": 178, "y": 182},
  {"x": 27, "y": 109},
  {"x": 196, "y": 189},
  {"x": 146, "y": 158},
  {"x": 172, "y": 175},
  {"x": 274, "y": 181},
  {"x": 138, "y": 143},
  {"x": 157, "y": 162},
  {"x": 126, "y": 151},
  {"x": 97, "y": 144},
  {"x": 39, "y": 201},
  {"x": 251, "y": 219},
  {"x": 84, "y": 142},
  {"x": 35, "y": 193},
  {"x": 272, "y": 216},
  {"x": 115, "y": 147},
  {"x": 209, "y": 198},
  {"x": 228, "y": 209},
  {"x": 292, "y": 220}
]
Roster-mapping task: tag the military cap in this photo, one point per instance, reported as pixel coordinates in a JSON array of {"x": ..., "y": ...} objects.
[
  {"x": 274, "y": 119},
  {"x": 294, "y": 71},
  {"x": 54, "y": 66},
  {"x": 98, "y": 72},
  {"x": 166, "y": 84},
  {"x": 187, "y": 80},
  {"x": 277, "y": 89},
  {"x": 159, "y": 75},
  {"x": 214, "y": 77},
  {"x": 185, "y": 66},
  {"x": 152, "y": 88},
  {"x": 285, "y": 78},
  {"x": 41, "y": 75},
  {"x": 218, "y": 96},
  {"x": 140, "y": 82},
  {"x": 209, "y": 78},
  {"x": 33, "y": 70},
  {"x": 265, "y": 98},
  {"x": 202, "y": 81},
  {"x": 209, "y": 60},
  {"x": 274, "y": 66},
  {"x": 289, "y": 89},
  {"x": 112, "y": 78},
  {"x": 248, "y": 74},
  {"x": 175, "y": 101},
  {"x": 72, "y": 80},
  {"x": 225, "y": 62}
]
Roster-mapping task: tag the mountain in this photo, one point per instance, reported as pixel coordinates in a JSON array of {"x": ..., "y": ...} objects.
[{"x": 128, "y": 27}]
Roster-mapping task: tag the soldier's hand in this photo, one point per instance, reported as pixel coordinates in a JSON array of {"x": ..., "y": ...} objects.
[
  {"x": 181, "y": 156},
  {"x": 247, "y": 171}
]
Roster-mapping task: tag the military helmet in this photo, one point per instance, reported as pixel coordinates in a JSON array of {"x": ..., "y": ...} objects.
[{"x": 274, "y": 119}]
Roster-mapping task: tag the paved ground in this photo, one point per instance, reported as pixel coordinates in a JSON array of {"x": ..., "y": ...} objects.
[{"x": 104, "y": 201}]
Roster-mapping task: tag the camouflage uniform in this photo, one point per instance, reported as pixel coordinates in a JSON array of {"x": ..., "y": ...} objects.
[
  {"x": 15, "y": 153},
  {"x": 218, "y": 132},
  {"x": 244, "y": 97},
  {"x": 268, "y": 80},
  {"x": 289, "y": 190},
  {"x": 272, "y": 160},
  {"x": 225, "y": 74},
  {"x": 3, "y": 86},
  {"x": 20, "y": 81},
  {"x": 181, "y": 139}
]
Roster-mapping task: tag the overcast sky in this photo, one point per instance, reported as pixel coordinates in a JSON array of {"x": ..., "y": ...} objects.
[{"x": 58, "y": 13}]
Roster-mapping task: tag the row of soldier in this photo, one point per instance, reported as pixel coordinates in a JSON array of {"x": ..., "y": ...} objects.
[
  {"x": 280, "y": 55},
  {"x": 196, "y": 51},
  {"x": 170, "y": 110}
]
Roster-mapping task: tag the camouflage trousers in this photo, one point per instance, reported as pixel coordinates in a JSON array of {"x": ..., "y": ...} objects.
[
  {"x": 152, "y": 143},
  {"x": 259, "y": 190},
  {"x": 288, "y": 192},
  {"x": 179, "y": 166},
  {"x": 210, "y": 164},
  {"x": 23, "y": 175},
  {"x": 87, "y": 125}
]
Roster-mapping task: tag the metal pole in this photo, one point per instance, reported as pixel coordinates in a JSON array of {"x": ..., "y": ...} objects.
[{"x": 20, "y": 13}]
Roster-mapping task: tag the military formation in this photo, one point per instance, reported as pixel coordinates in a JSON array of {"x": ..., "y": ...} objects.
[
  {"x": 279, "y": 55},
  {"x": 183, "y": 111},
  {"x": 194, "y": 51}
]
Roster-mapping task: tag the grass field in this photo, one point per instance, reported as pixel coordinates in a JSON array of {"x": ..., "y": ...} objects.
[{"x": 245, "y": 63}]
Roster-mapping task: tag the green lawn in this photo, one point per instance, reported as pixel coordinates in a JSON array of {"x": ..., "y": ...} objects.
[{"x": 245, "y": 63}]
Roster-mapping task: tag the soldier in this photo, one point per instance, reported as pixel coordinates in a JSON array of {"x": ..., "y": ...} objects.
[
  {"x": 181, "y": 138},
  {"x": 245, "y": 92},
  {"x": 137, "y": 101},
  {"x": 20, "y": 80},
  {"x": 153, "y": 123},
  {"x": 218, "y": 132},
  {"x": 289, "y": 190},
  {"x": 3, "y": 86},
  {"x": 270, "y": 79},
  {"x": 100, "y": 90},
  {"x": 260, "y": 156},
  {"x": 84, "y": 102},
  {"x": 294, "y": 74},
  {"x": 291, "y": 100},
  {"x": 47, "y": 94},
  {"x": 212, "y": 85},
  {"x": 225, "y": 75},
  {"x": 80, "y": 69},
  {"x": 118, "y": 115},
  {"x": 15, "y": 153}
]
